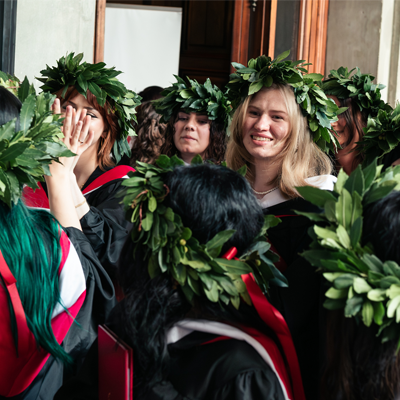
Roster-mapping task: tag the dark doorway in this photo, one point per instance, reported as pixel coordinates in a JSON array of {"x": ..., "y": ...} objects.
[
  {"x": 8, "y": 22},
  {"x": 206, "y": 40}
]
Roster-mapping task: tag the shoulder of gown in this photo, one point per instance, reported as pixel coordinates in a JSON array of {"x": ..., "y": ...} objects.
[{"x": 105, "y": 224}]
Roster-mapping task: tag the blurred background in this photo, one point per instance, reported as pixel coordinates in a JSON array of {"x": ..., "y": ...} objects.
[{"x": 149, "y": 40}]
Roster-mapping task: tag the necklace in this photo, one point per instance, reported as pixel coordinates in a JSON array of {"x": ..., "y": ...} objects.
[{"x": 264, "y": 193}]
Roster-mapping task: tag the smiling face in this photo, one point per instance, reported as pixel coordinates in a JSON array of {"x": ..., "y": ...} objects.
[
  {"x": 266, "y": 125},
  {"x": 192, "y": 134},
  {"x": 79, "y": 103}
]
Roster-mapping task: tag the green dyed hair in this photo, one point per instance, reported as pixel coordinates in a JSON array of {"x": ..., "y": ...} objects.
[{"x": 30, "y": 243}]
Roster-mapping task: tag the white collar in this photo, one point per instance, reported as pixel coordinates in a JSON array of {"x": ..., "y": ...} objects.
[
  {"x": 187, "y": 326},
  {"x": 324, "y": 182}
]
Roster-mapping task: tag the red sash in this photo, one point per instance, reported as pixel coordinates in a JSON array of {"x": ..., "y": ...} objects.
[
  {"x": 274, "y": 319},
  {"x": 38, "y": 198},
  {"x": 11, "y": 286},
  {"x": 289, "y": 372},
  {"x": 21, "y": 370}
]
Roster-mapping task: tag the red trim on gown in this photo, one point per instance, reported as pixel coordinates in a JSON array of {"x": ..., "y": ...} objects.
[
  {"x": 37, "y": 198},
  {"x": 20, "y": 370}
]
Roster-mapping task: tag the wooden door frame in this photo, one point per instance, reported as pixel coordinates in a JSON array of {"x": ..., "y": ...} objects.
[
  {"x": 312, "y": 33},
  {"x": 313, "y": 28},
  {"x": 241, "y": 26},
  {"x": 100, "y": 20},
  {"x": 240, "y": 36}
]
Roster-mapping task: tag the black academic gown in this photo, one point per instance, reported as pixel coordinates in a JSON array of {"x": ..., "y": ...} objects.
[
  {"x": 105, "y": 224},
  {"x": 300, "y": 303},
  {"x": 222, "y": 370},
  {"x": 99, "y": 301}
]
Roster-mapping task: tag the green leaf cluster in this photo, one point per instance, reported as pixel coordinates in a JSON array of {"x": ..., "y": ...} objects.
[
  {"x": 382, "y": 135},
  {"x": 10, "y": 82},
  {"x": 103, "y": 84},
  {"x": 263, "y": 72},
  {"x": 191, "y": 96},
  {"x": 364, "y": 286},
  {"x": 170, "y": 247},
  {"x": 343, "y": 85},
  {"x": 27, "y": 151}
]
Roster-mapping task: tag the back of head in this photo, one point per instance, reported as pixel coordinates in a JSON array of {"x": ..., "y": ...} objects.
[
  {"x": 151, "y": 93},
  {"x": 208, "y": 199},
  {"x": 10, "y": 106},
  {"x": 150, "y": 135},
  {"x": 211, "y": 199},
  {"x": 382, "y": 227}
]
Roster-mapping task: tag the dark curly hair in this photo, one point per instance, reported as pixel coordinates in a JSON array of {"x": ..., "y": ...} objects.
[
  {"x": 215, "y": 151},
  {"x": 150, "y": 135}
]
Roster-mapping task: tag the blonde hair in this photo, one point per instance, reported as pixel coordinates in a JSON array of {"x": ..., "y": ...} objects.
[{"x": 300, "y": 158}]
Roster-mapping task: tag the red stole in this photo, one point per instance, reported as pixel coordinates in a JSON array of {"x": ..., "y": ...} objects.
[
  {"x": 38, "y": 198},
  {"x": 18, "y": 371}
]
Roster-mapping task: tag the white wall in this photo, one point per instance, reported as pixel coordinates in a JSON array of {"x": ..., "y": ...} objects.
[
  {"x": 385, "y": 45},
  {"x": 144, "y": 43},
  {"x": 48, "y": 30}
]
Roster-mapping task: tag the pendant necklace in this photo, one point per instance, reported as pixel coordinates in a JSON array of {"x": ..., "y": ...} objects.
[{"x": 264, "y": 193}]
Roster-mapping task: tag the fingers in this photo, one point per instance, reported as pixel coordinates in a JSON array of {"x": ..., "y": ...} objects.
[
  {"x": 82, "y": 115},
  {"x": 68, "y": 124},
  {"x": 79, "y": 137},
  {"x": 85, "y": 128},
  {"x": 75, "y": 137},
  {"x": 56, "y": 106},
  {"x": 89, "y": 140}
]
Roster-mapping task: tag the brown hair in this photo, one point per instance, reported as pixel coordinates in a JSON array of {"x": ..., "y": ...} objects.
[
  {"x": 300, "y": 158},
  {"x": 150, "y": 135},
  {"x": 356, "y": 120},
  {"x": 111, "y": 127},
  {"x": 215, "y": 151}
]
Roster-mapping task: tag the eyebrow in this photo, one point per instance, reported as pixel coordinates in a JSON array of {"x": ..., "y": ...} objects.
[
  {"x": 87, "y": 108},
  {"x": 197, "y": 114},
  {"x": 274, "y": 111}
]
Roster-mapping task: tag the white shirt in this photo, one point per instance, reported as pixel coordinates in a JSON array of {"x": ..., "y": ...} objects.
[{"x": 324, "y": 182}]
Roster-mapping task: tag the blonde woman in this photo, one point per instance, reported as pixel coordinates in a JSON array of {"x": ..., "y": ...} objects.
[{"x": 280, "y": 117}]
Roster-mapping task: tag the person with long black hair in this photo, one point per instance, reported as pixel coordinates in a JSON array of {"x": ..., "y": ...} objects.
[
  {"x": 357, "y": 251},
  {"x": 187, "y": 309},
  {"x": 49, "y": 275}
]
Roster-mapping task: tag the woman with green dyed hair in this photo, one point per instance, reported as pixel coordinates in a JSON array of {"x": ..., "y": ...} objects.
[{"x": 49, "y": 275}]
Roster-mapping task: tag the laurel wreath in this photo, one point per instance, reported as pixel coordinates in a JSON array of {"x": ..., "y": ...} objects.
[
  {"x": 263, "y": 72},
  {"x": 171, "y": 248},
  {"x": 103, "y": 84},
  {"x": 192, "y": 96},
  {"x": 360, "y": 283}
]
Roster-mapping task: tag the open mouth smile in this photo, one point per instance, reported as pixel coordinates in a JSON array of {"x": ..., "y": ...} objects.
[{"x": 261, "y": 138}]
